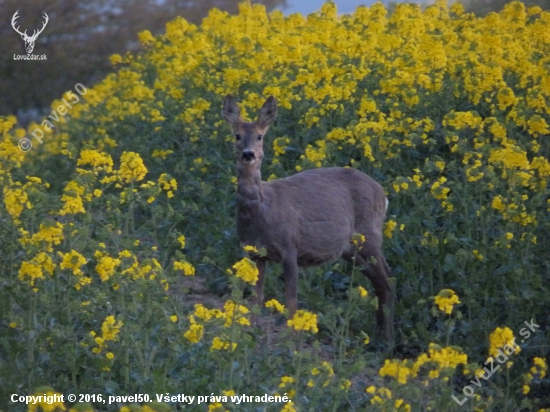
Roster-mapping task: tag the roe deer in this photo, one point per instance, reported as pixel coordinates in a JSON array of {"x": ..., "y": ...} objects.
[{"x": 307, "y": 218}]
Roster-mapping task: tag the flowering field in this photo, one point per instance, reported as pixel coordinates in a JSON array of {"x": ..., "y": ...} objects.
[{"x": 121, "y": 272}]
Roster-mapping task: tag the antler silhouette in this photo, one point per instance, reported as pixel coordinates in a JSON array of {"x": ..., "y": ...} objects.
[
  {"x": 29, "y": 40},
  {"x": 13, "y": 22}
]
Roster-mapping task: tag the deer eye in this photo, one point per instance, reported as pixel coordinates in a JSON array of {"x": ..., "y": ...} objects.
[
  {"x": 259, "y": 137},
  {"x": 238, "y": 136}
]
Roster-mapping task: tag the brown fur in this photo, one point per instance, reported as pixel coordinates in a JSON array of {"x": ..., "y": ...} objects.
[{"x": 308, "y": 218}]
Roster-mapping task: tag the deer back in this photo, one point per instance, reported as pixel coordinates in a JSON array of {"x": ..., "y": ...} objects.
[{"x": 314, "y": 212}]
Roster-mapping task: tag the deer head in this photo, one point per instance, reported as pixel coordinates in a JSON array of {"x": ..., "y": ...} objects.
[
  {"x": 249, "y": 136},
  {"x": 29, "y": 40}
]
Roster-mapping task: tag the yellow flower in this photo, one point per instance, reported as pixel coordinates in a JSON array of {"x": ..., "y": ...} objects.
[
  {"x": 540, "y": 367},
  {"x": 15, "y": 201},
  {"x": 285, "y": 380},
  {"x": 145, "y": 37},
  {"x": 116, "y": 59},
  {"x": 249, "y": 248},
  {"x": 389, "y": 228},
  {"x": 274, "y": 304},
  {"x": 181, "y": 240},
  {"x": 220, "y": 344},
  {"x": 203, "y": 313},
  {"x": 438, "y": 190},
  {"x": 505, "y": 97},
  {"x": 498, "y": 204},
  {"x": 173, "y": 318},
  {"x": 163, "y": 154},
  {"x": 304, "y": 320},
  {"x": 446, "y": 357},
  {"x": 397, "y": 369},
  {"x": 48, "y": 236},
  {"x": 362, "y": 291},
  {"x": 195, "y": 332},
  {"x": 106, "y": 267},
  {"x": 99, "y": 161},
  {"x": 502, "y": 338},
  {"x": 50, "y": 403},
  {"x": 477, "y": 255},
  {"x": 247, "y": 270},
  {"x": 131, "y": 167},
  {"x": 235, "y": 313},
  {"x": 187, "y": 268},
  {"x": 110, "y": 328},
  {"x": 358, "y": 239},
  {"x": 445, "y": 300},
  {"x": 34, "y": 269},
  {"x": 216, "y": 407},
  {"x": 72, "y": 260},
  {"x": 289, "y": 407},
  {"x": 167, "y": 183}
]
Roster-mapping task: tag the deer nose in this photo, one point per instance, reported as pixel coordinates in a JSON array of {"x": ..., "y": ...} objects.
[{"x": 248, "y": 155}]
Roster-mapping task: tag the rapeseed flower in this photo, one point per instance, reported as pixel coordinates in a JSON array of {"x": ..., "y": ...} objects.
[
  {"x": 446, "y": 299},
  {"x": 131, "y": 167},
  {"x": 234, "y": 312},
  {"x": 194, "y": 333},
  {"x": 389, "y": 228},
  {"x": 181, "y": 241},
  {"x": 99, "y": 161},
  {"x": 15, "y": 201},
  {"x": 220, "y": 344},
  {"x": 35, "y": 269},
  {"x": 50, "y": 403},
  {"x": 303, "y": 320},
  {"x": 73, "y": 261},
  {"x": 397, "y": 369},
  {"x": 48, "y": 236},
  {"x": 274, "y": 304},
  {"x": 106, "y": 267},
  {"x": 501, "y": 338},
  {"x": 362, "y": 291},
  {"x": 440, "y": 358},
  {"x": 246, "y": 270},
  {"x": 186, "y": 267}
]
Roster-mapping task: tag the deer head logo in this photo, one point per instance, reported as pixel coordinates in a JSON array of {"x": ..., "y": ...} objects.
[{"x": 29, "y": 40}]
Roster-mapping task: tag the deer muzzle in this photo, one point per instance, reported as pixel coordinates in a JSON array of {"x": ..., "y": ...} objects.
[{"x": 248, "y": 155}]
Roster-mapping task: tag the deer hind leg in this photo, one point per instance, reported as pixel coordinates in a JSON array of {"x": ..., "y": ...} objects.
[
  {"x": 377, "y": 271},
  {"x": 290, "y": 270}
]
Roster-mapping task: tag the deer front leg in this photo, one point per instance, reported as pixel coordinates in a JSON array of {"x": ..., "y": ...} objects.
[{"x": 290, "y": 269}]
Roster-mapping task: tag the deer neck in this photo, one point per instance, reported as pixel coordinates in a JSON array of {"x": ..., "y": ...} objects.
[{"x": 250, "y": 192}]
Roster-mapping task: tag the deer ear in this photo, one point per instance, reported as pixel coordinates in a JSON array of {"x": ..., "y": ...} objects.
[
  {"x": 231, "y": 112},
  {"x": 268, "y": 112}
]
